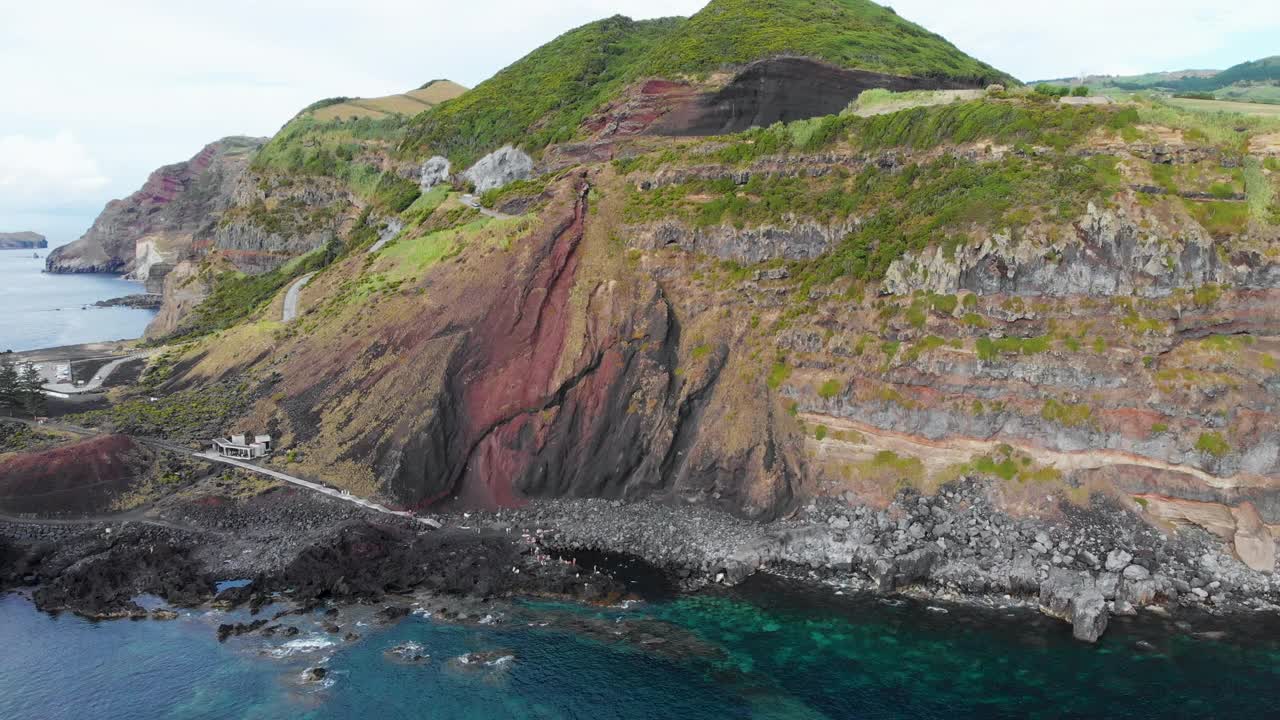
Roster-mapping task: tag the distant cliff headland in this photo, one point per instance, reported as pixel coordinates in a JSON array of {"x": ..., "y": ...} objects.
[{"x": 26, "y": 240}]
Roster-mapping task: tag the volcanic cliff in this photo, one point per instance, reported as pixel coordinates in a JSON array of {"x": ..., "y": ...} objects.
[
  {"x": 147, "y": 232},
  {"x": 875, "y": 295}
]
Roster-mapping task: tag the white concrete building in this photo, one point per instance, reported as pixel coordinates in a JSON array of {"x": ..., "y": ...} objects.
[{"x": 242, "y": 447}]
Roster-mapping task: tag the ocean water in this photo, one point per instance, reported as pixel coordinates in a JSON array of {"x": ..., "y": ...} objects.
[
  {"x": 760, "y": 652},
  {"x": 39, "y": 310}
]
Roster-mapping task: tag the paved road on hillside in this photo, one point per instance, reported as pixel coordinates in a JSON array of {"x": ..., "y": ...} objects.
[
  {"x": 291, "y": 297},
  {"x": 336, "y": 494},
  {"x": 100, "y": 377},
  {"x": 214, "y": 457},
  {"x": 471, "y": 202}
]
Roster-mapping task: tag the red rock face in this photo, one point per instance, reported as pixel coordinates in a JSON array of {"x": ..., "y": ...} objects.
[
  {"x": 525, "y": 373},
  {"x": 81, "y": 478},
  {"x": 179, "y": 199},
  {"x": 521, "y": 417}
]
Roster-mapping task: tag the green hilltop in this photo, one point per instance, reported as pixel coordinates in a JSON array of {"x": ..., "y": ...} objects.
[
  {"x": 1254, "y": 81},
  {"x": 544, "y": 97},
  {"x": 855, "y": 34}
]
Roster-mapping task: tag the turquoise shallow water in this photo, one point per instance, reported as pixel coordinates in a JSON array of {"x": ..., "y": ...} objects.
[
  {"x": 38, "y": 310},
  {"x": 759, "y": 653}
]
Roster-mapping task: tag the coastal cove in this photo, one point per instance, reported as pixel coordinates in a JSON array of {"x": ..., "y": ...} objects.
[
  {"x": 762, "y": 650},
  {"x": 46, "y": 310}
]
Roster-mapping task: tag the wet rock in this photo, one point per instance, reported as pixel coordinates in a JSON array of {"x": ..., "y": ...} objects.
[
  {"x": 1074, "y": 597},
  {"x": 392, "y": 613},
  {"x": 905, "y": 569},
  {"x": 486, "y": 659},
  {"x": 408, "y": 652},
  {"x": 230, "y": 630},
  {"x": 1023, "y": 577},
  {"x": 314, "y": 675},
  {"x": 1089, "y": 617}
]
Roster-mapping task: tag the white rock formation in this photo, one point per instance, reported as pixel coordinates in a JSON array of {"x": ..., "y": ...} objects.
[
  {"x": 502, "y": 167},
  {"x": 434, "y": 172}
]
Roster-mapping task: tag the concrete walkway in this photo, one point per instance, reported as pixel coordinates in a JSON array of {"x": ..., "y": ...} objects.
[
  {"x": 103, "y": 374},
  {"x": 336, "y": 494},
  {"x": 291, "y": 297}
]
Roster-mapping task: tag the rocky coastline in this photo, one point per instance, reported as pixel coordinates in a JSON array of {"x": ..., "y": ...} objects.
[
  {"x": 147, "y": 301},
  {"x": 1083, "y": 567}
]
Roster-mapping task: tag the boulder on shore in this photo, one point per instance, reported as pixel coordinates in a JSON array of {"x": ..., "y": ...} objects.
[{"x": 1075, "y": 598}]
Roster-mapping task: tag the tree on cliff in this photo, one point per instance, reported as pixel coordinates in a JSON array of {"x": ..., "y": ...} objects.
[
  {"x": 30, "y": 387},
  {"x": 20, "y": 390},
  {"x": 10, "y": 399}
]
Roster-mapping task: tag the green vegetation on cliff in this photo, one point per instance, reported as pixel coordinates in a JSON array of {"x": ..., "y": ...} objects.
[
  {"x": 340, "y": 150},
  {"x": 1025, "y": 121},
  {"x": 901, "y": 212},
  {"x": 850, "y": 33},
  {"x": 543, "y": 97},
  {"x": 236, "y": 296}
]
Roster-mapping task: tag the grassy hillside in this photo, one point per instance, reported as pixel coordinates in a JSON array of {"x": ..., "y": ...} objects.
[
  {"x": 1257, "y": 81},
  {"x": 410, "y": 103},
  {"x": 1266, "y": 70},
  {"x": 850, "y": 33},
  {"x": 543, "y": 97}
]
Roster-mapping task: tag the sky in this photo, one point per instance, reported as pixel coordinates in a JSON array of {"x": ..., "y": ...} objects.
[{"x": 95, "y": 95}]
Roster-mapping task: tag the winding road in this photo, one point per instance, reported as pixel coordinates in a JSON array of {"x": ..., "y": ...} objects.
[
  {"x": 99, "y": 377},
  {"x": 291, "y": 297}
]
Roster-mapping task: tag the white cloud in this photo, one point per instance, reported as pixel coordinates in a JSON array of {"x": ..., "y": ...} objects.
[
  {"x": 1036, "y": 40},
  {"x": 47, "y": 172}
]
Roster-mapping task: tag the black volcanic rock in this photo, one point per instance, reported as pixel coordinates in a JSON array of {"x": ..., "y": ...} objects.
[{"x": 785, "y": 90}]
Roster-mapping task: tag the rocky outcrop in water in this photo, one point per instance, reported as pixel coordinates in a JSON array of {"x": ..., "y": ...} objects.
[
  {"x": 26, "y": 240},
  {"x": 158, "y": 223}
]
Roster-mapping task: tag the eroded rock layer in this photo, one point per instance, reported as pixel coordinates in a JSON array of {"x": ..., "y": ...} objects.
[{"x": 156, "y": 225}]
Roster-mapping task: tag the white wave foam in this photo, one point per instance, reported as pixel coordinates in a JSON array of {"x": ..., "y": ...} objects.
[{"x": 310, "y": 644}]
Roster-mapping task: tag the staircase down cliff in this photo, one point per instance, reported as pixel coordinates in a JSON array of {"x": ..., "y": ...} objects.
[{"x": 156, "y": 225}]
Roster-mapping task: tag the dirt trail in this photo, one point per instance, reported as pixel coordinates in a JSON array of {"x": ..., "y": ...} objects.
[{"x": 940, "y": 454}]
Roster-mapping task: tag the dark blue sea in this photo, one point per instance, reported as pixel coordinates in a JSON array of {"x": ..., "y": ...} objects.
[
  {"x": 39, "y": 310},
  {"x": 762, "y": 651}
]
